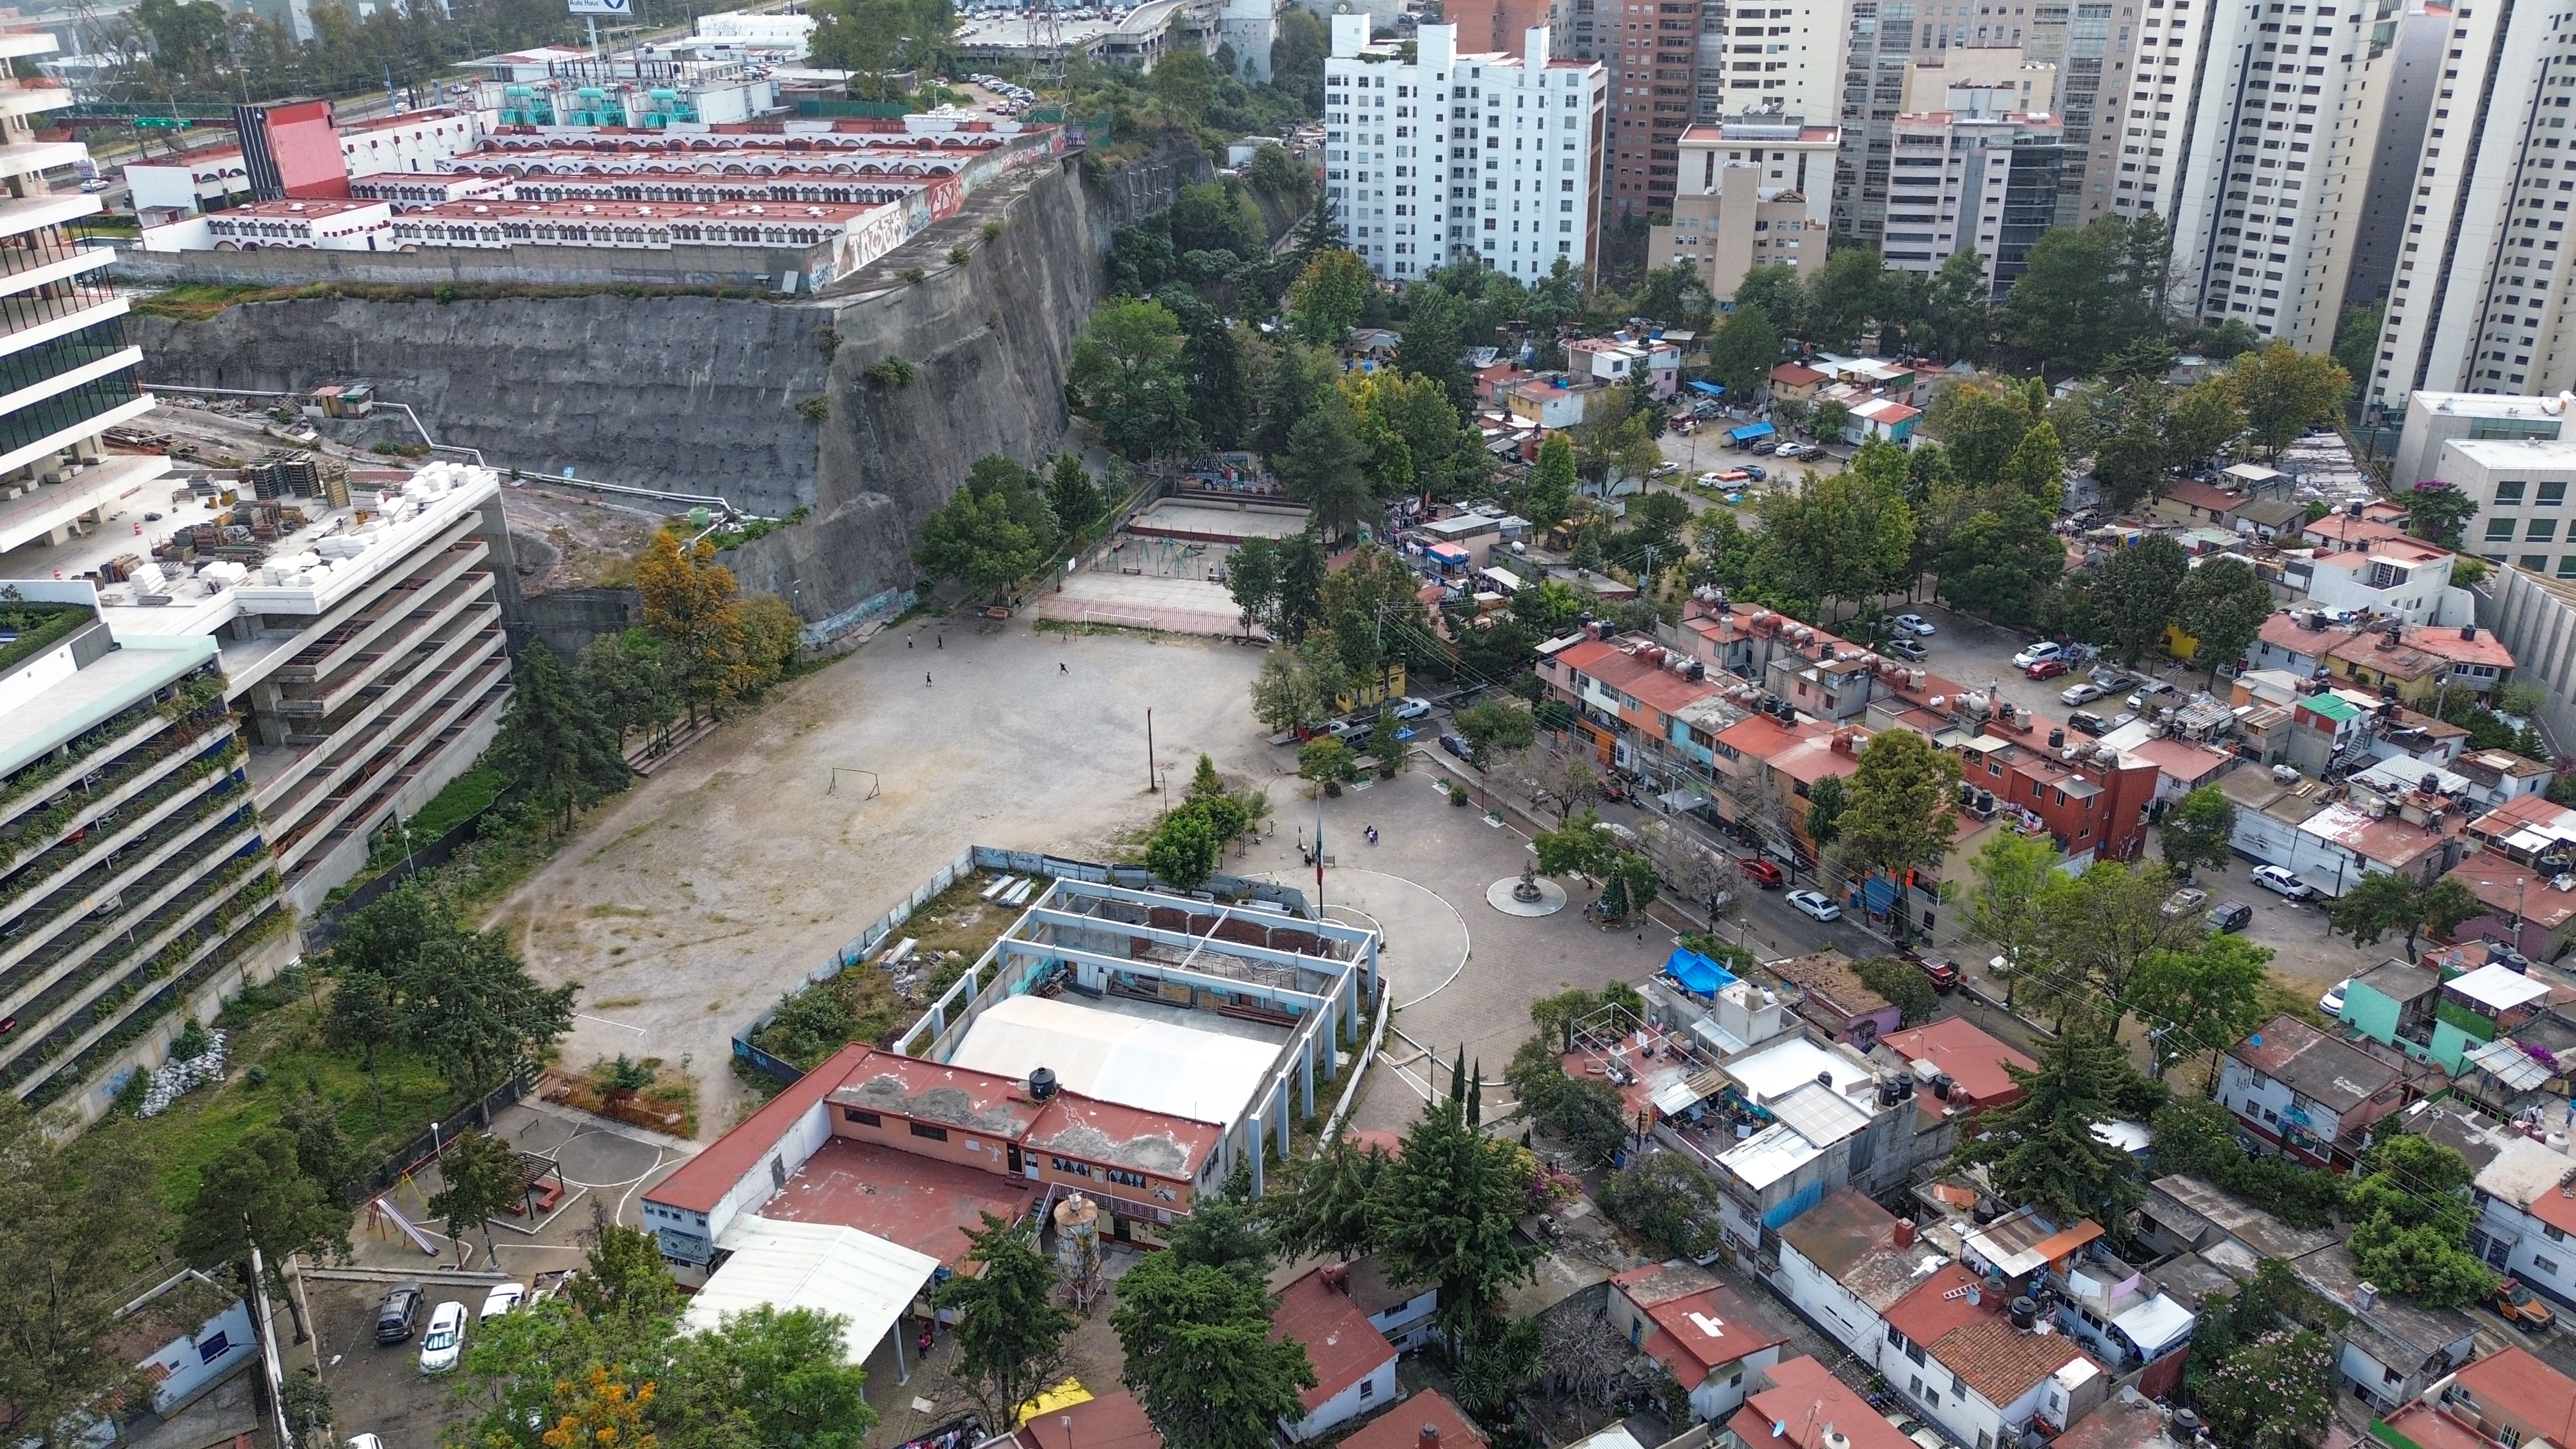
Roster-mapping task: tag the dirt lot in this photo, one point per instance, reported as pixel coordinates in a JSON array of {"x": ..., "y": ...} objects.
[{"x": 707, "y": 891}]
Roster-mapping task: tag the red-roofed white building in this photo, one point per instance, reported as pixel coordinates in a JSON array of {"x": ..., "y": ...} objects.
[
  {"x": 2400, "y": 577},
  {"x": 1799, "y": 1404},
  {"x": 1706, "y": 1336},
  {"x": 1354, "y": 1364}
]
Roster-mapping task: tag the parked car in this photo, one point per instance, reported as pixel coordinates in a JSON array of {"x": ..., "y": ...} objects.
[
  {"x": 1765, "y": 448},
  {"x": 1908, "y": 649},
  {"x": 2084, "y": 723},
  {"x": 399, "y": 1313},
  {"x": 2044, "y": 649},
  {"x": 2146, "y": 695},
  {"x": 1815, "y": 904},
  {"x": 1944, "y": 974},
  {"x": 365, "y": 1441},
  {"x": 2185, "y": 901},
  {"x": 503, "y": 1298},
  {"x": 2332, "y": 1002},
  {"x": 2046, "y": 668},
  {"x": 1412, "y": 707},
  {"x": 1457, "y": 745},
  {"x": 1667, "y": 468},
  {"x": 1351, "y": 729},
  {"x": 1797, "y": 450},
  {"x": 1762, "y": 873},
  {"x": 444, "y": 1341},
  {"x": 1708, "y": 479},
  {"x": 1916, "y": 625},
  {"x": 1758, "y": 475},
  {"x": 2518, "y": 1306},
  {"x": 2281, "y": 882},
  {"x": 2236, "y": 916},
  {"x": 2082, "y": 694}
]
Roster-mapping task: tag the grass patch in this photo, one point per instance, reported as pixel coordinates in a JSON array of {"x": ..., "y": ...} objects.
[
  {"x": 464, "y": 797},
  {"x": 604, "y": 910},
  {"x": 277, "y": 1054}
]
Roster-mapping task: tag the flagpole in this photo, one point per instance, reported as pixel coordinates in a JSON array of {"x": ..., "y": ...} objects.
[{"x": 1319, "y": 852}]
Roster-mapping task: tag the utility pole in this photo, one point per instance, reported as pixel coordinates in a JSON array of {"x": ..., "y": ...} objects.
[{"x": 1150, "y": 784}]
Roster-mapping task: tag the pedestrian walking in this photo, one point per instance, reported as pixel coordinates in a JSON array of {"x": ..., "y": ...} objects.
[
  {"x": 1060, "y": 669},
  {"x": 943, "y": 641},
  {"x": 925, "y": 679}
]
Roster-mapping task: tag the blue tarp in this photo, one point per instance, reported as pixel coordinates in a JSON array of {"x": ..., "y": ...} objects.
[
  {"x": 1697, "y": 973},
  {"x": 1878, "y": 895},
  {"x": 1750, "y": 431},
  {"x": 1708, "y": 389}
]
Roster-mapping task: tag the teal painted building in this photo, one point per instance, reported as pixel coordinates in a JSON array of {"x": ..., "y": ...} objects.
[{"x": 2394, "y": 1004}]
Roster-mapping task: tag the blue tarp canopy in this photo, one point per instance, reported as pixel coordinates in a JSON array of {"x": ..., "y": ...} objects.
[
  {"x": 1697, "y": 973},
  {"x": 1708, "y": 389},
  {"x": 1749, "y": 432},
  {"x": 1878, "y": 895}
]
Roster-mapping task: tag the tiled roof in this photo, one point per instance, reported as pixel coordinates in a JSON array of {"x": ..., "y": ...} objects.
[
  {"x": 1341, "y": 1343},
  {"x": 1806, "y": 1400},
  {"x": 1931, "y": 1310},
  {"x": 2523, "y": 1388},
  {"x": 1112, "y": 1421},
  {"x": 1974, "y": 1059},
  {"x": 1401, "y": 1427},
  {"x": 2002, "y": 1362},
  {"x": 2202, "y": 496},
  {"x": 1707, "y": 1330}
]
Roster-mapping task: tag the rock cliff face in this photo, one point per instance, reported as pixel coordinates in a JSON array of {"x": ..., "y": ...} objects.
[{"x": 701, "y": 395}]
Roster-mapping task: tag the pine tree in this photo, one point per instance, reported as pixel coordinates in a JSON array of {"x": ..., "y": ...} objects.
[
  {"x": 552, "y": 744},
  {"x": 1011, "y": 1341}
]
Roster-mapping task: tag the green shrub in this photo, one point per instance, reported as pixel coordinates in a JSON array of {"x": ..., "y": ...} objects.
[
  {"x": 914, "y": 274},
  {"x": 814, "y": 409},
  {"x": 957, "y": 256},
  {"x": 890, "y": 371},
  {"x": 992, "y": 228}
]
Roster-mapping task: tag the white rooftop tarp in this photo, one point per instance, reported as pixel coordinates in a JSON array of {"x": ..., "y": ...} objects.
[
  {"x": 1205, "y": 1076},
  {"x": 822, "y": 1266},
  {"x": 2500, "y": 987},
  {"x": 2155, "y": 1325}
]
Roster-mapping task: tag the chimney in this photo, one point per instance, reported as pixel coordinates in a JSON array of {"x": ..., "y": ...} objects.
[
  {"x": 1428, "y": 1438},
  {"x": 2365, "y": 1296},
  {"x": 1904, "y": 1233},
  {"x": 2468, "y": 631}
]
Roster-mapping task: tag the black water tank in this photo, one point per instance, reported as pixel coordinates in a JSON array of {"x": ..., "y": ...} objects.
[
  {"x": 2025, "y": 1314},
  {"x": 1942, "y": 1082},
  {"x": 1041, "y": 1084},
  {"x": 2186, "y": 1423}
]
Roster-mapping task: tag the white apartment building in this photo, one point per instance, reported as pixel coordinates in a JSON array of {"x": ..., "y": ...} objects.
[
  {"x": 1449, "y": 155},
  {"x": 2434, "y": 419},
  {"x": 1978, "y": 173},
  {"x": 1756, "y": 191},
  {"x": 2278, "y": 106},
  {"x": 2479, "y": 301},
  {"x": 2524, "y": 516}
]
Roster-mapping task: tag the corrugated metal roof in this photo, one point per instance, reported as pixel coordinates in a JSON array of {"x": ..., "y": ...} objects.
[{"x": 863, "y": 1278}]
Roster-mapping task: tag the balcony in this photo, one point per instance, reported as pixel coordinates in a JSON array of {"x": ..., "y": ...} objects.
[
  {"x": 31, "y": 512},
  {"x": 20, "y": 214}
]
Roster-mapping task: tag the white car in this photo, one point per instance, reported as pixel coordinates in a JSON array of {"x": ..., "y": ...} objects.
[
  {"x": 444, "y": 1343},
  {"x": 2281, "y": 882},
  {"x": 1916, "y": 625},
  {"x": 2332, "y": 1002},
  {"x": 1797, "y": 450},
  {"x": 2046, "y": 649},
  {"x": 2083, "y": 694},
  {"x": 1813, "y": 903},
  {"x": 1412, "y": 707},
  {"x": 503, "y": 1298},
  {"x": 1708, "y": 480}
]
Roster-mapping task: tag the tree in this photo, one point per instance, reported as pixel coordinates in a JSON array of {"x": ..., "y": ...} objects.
[
  {"x": 1828, "y": 418},
  {"x": 689, "y": 604},
  {"x": 2014, "y": 874},
  {"x": 1326, "y": 300},
  {"x": 1327, "y": 1206},
  {"x": 1200, "y": 1357},
  {"x": 2222, "y": 604},
  {"x": 1223, "y": 1232},
  {"x": 78, "y": 1231},
  {"x": 2139, "y": 592},
  {"x": 1185, "y": 82},
  {"x": 1496, "y": 726},
  {"x": 1322, "y": 464},
  {"x": 2435, "y": 512},
  {"x": 1825, "y": 802},
  {"x": 1295, "y": 688},
  {"x": 2041, "y": 1149},
  {"x": 1665, "y": 1201},
  {"x": 2411, "y": 1214},
  {"x": 1126, "y": 378},
  {"x": 2203, "y": 999},
  {"x": 992, "y": 532},
  {"x": 2284, "y": 391},
  {"x": 1580, "y": 847},
  {"x": 472, "y": 1006},
  {"x": 1780, "y": 294},
  {"x": 482, "y": 1179},
  {"x": 256, "y": 1193},
  {"x": 625, "y": 680},
  {"x": 1588, "y": 1115},
  {"x": 2130, "y": 462},
  {"x": 1979, "y": 424},
  {"x": 1071, "y": 495},
  {"x": 2084, "y": 293},
  {"x": 552, "y": 744},
  {"x": 1903, "y": 984},
  {"x": 777, "y": 1378},
  {"x": 2198, "y": 830},
  {"x": 2096, "y": 934},
  {"x": 1901, "y": 813},
  {"x": 1011, "y": 1340},
  {"x": 1742, "y": 354},
  {"x": 2205, "y": 419},
  {"x": 1550, "y": 491},
  {"x": 1959, "y": 307},
  {"x": 1448, "y": 1216},
  {"x": 2381, "y": 902},
  {"x": 623, "y": 1279},
  {"x": 1183, "y": 851},
  {"x": 2272, "y": 1392}
]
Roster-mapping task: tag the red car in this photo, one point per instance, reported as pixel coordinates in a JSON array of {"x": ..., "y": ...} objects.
[
  {"x": 2047, "y": 669},
  {"x": 1943, "y": 974},
  {"x": 1762, "y": 873}
]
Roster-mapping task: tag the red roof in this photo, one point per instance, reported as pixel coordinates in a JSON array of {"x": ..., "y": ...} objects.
[
  {"x": 1807, "y": 1402},
  {"x": 1935, "y": 1306},
  {"x": 2345, "y": 529},
  {"x": 2283, "y": 631},
  {"x": 1340, "y": 1342},
  {"x": 1651, "y": 683},
  {"x": 1760, "y": 737},
  {"x": 1707, "y": 1330},
  {"x": 2191, "y": 764},
  {"x": 1973, "y": 1059},
  {"x": 2002, "y": 1362},
  {"x": 1403, "y": 1426},
  {"x": 2451, "y": 644},
  {"x": 2519, "y": 1386},
  {"x": 1790, "y": 374},
  {"x": 703, "y": 1180},
  {"x": 1111, "y": 1421}
]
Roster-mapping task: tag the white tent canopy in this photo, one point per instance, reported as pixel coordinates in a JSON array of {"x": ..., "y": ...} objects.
[
  {"x": 1205, "y": 1076},
  {"x": 859, "y": 1276}
]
